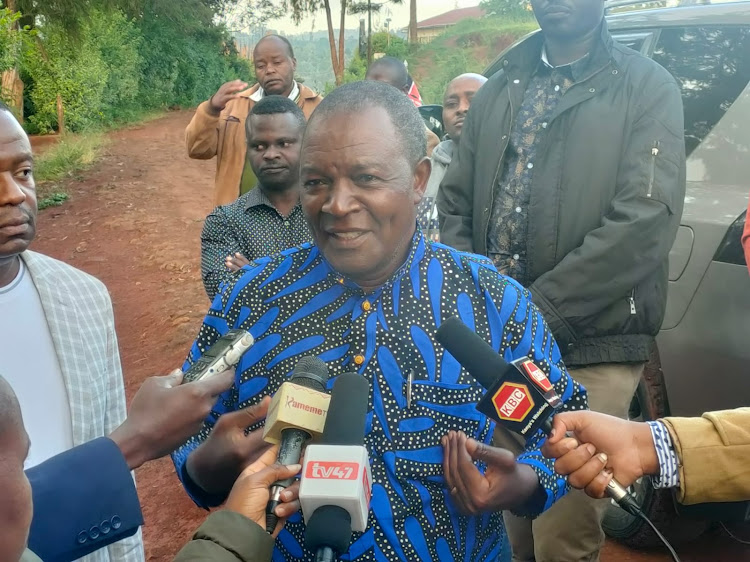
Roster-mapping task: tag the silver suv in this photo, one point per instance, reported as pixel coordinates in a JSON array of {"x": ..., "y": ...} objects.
[{"x": 703, "y": 358}]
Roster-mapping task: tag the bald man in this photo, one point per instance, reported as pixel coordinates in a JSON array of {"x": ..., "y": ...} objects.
[
  {"x": 392, "y": 71},
  {"x": 218, "y": 126},
  {"x": 456, "y": 103}
]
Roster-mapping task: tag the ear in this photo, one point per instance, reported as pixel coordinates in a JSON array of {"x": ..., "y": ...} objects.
[
  {"x": 421, "y": 177},
  {"x": 294, "y": 64}
]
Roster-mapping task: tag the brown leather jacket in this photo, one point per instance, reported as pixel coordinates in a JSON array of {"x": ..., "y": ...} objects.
[
  {"x": 223, "y": 136},
  {"x": 714, "y": 456}
]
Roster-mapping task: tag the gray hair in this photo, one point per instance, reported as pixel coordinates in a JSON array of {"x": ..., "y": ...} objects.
[{"x": 358, "y": 97}]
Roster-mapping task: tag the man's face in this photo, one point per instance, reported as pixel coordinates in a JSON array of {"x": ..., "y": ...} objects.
[
  {"x": 384, "y": 73},
  {"x": 456, "y": 104},
  {"x": 359, "y": 194},
  {"x": 17, "y": 189},
  {"x": 15, "y": 507},
  {"x": 568, "y": 19},
  {"x": 274, "y": 67},
  {"x": 273, "y": 150}
]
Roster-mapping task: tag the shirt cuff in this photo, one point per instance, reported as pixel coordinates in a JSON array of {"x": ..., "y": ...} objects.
[{"x": 669, "y": 473}]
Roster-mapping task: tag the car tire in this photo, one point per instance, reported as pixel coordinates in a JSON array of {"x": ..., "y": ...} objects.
[{"x": 649, "y": 403}]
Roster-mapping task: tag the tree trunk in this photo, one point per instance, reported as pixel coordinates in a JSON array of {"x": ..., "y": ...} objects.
[
  {"x": 339, "y": 71},
  {"x": 332, "y": 41},
  {"x": 413, "y": 22},
  {"x": 369, "y": 32}
]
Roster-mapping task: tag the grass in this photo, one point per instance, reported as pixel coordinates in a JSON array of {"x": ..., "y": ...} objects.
[
  {"x": 468, "y": 46},
  {"x": 71, "y": 156}
]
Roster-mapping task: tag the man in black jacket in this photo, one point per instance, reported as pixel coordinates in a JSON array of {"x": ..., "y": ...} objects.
[{"x": 570, "y": 175}]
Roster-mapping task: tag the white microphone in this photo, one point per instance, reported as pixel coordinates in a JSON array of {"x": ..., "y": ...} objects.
[{"x": 336, "y": 481}]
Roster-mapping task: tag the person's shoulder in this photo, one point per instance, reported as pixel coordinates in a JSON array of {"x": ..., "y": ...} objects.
[
  {"x": 53, "y": 270},
  {"x": 308, "y": 94},
  {"x": 464, "y": 260},
  {"x": 639, "y": 68}
]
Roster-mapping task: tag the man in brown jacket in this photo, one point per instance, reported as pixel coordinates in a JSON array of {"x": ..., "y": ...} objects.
[{"x": 218, "y": 126}]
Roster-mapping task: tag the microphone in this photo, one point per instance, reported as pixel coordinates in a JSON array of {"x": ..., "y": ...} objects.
[
  {"x": 336, "y": 481},
  {"x": 519, "y": 395},
  {"x": 296, "y": 415}
]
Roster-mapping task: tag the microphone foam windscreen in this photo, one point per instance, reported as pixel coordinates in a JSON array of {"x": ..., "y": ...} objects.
[
  {"x": 472, "y": 352},
  {"x": 347, "y": 414},
  {"x": 312, "y": 373},
  {"x": 330, "y": 526}
]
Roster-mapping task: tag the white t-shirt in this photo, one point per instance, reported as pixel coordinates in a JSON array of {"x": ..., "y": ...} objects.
[{"x": 28, "y": 361}]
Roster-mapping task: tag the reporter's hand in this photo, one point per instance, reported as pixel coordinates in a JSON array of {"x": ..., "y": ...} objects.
[
  {"x": 226, "y": 93},
  {"x": 250, "y": 493},
  {"x": 164, "y": 414},
  {"x": 625, "y": 449},
  {"x": 235, "y": 262},
  {"x": 505, "y": 484},
  {"x": 221, "y": 458}
]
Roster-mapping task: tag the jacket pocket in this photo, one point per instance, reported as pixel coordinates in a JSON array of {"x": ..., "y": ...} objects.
[{"x": 664, "y": 176}]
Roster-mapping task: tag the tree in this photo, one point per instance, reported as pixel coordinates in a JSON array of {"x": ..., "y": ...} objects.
[
  {"x": 413, "y": 22},
  {"x": 369, "y": 7},
  {"x": 513, "y": 8},
  {"x": 300, "y": 8}
]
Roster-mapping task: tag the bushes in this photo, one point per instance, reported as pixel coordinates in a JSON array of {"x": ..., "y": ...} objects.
[{"x": 114, "y": 68}]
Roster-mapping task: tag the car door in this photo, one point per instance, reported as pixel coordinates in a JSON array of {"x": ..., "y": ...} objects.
[{"x": 704, "y": 342}]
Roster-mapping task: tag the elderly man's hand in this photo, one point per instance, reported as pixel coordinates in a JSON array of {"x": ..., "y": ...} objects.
[
  {"x": 221, "y": 458},
  {"x": 250, "y": 494},
  {"x": 235, "y": 262},
  {"x": 226, "y": 93},
  {"x": 600, "y": 442},
  {"x": 164, "y": 414},
  {"x": 505, "y": 484}
]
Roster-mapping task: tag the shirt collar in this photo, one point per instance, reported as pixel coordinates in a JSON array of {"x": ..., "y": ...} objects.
[
  {"x": 575, "y": 68},
  {"x": 416, "y": 253},
  {"x": 293, "y": 95},
  {"x": 255, "y": 198}
]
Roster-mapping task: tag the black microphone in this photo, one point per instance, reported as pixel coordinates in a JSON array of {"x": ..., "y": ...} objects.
[
  {"x": 519, "y": 395},
  {"x": 336, "y": 479},
  {"x": 297, "y": 414}
]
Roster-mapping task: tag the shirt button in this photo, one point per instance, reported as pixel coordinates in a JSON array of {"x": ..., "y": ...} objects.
[
  {"x": 94, "y": 532},
  {"x": 116, "y": 522},
  {"x": 516, "y": 256},
  {"x": 341, "y": 280},
  {"x": 516, "y": 81},
  {"x": 529, "y": 165},
  {"x": 544, "y": 125},
  {"x": 366, "y": 306},
  {"x": 83, "y": 536},
  {"x": 557, "y": 88},
  {"x": 359, "y": 359},
  {"x": 518, "y": 209}
]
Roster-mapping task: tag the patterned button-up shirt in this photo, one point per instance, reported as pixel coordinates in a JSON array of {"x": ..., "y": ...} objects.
[
  {"x": 506, "y": 237},
  {"x": 295, "y": 305},
  {"x": 251, "y": 226}
]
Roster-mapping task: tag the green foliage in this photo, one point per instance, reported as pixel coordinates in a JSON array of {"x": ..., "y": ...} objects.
[
  {"x": 54, "y": 199},
  {"x": 468, "y": 46},
  {"x": 516, "y": 8},
  {"x": 109, "y": 67},
  {"x": 71, "y": 155},
  {"x": 389, "y": 44}
]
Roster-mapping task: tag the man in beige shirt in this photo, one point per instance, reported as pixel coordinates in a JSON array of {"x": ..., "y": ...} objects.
[{"x": 218, "y": 126}]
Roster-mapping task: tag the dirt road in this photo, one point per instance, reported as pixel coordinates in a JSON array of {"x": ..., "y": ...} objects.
[{"x": 134, "y": 221}]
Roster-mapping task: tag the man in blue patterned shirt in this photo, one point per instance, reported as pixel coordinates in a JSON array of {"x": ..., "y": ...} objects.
[{"x": 368, "y": 296}]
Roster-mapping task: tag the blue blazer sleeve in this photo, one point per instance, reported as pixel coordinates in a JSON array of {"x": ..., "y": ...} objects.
[{"x": 84, "y": 500}]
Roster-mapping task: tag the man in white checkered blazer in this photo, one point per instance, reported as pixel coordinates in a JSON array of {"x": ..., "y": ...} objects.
[{"x": 58, "y": 347}]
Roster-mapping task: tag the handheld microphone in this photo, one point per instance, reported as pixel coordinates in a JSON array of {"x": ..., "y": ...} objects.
[
  {"x": 519, "y": 395},
  {"x": 296, "y": 415},
  {"x": 336, "y": 479}
]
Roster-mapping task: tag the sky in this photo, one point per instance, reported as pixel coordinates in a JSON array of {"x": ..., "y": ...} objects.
[{"x": 399, "y": 16}]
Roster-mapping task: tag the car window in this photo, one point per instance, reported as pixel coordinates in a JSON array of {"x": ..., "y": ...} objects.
[
  {"x": 712, "y": 65},
  {"x": 636, "y": 41}
]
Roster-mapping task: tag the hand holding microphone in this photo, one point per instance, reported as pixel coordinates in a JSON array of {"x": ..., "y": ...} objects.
[{"x": 600, "y": 441}]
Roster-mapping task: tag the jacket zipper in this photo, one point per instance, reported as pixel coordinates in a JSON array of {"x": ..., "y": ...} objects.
[
  {"x": 654, "y": 154},
  {"x": 633, "y": 310}
]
